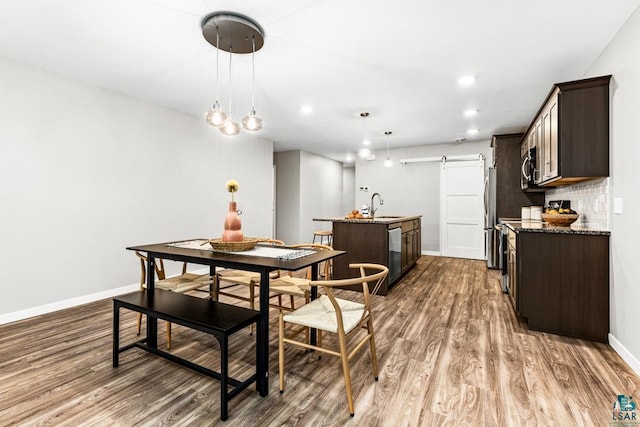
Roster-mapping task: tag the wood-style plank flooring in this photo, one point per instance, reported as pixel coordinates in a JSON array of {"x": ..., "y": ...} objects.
[{"x": 451, "y": 352}]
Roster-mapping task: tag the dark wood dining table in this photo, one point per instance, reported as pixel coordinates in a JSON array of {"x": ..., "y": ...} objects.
[{"x": 235, "y": 260}]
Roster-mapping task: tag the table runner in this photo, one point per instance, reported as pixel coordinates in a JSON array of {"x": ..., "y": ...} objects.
[{"x": 259, "y": 250}]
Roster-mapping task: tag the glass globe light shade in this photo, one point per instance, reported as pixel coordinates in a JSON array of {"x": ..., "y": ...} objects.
[
  {"x": 215, "y": 116},
  {"x": 230, "y": 128},
  {"x": 388, "y": 162},
  {"x": 252, "y": 122},
  {"x": 364, "y": 152}
]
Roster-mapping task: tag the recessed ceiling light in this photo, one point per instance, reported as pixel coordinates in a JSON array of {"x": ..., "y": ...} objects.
[
  {"x": 306, "y": 109},
  {"x": 366, "y": 142},
  {"x": 473, "y": 131},
  {"x": 470, "y": 113},
  {"x": 467, "y": 80},
  {"x": 349, "y": 158}
]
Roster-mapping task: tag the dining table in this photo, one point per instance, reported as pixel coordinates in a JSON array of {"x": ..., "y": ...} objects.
[{"x": 261, "y": 259}]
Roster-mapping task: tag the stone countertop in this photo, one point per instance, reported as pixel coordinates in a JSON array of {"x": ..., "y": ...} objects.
[
  {"x": 543, "y": 227},
  {"x": 382, "y": 219}
]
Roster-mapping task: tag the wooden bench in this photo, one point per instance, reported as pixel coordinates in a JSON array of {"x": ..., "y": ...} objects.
[{"x": 215, "y": 318}]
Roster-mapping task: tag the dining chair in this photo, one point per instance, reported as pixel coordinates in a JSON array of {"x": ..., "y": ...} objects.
[
  {"x": 339, "y": 316},
  {"x": 180, "y": 284},
  {"x": 296, "y": 284},
  {"x": 279, "y": 284},
  {"x": 228, "y": 279}
]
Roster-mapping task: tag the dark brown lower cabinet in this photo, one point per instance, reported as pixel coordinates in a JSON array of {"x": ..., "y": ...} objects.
[
  {"x": 411, "y": 243},
  {"x": 369, "y": 242},
  {"x": 563, "y": 283}
]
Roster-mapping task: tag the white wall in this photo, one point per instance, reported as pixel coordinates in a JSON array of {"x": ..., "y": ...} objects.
[
  {"x": 411, "y": 189},
  {"x": 310, "y": 185},
  {"x": 85, "y": 172},
  {"x": 287, "y": 195},
  {"x": 320, "y": 191},
  {"x": 348, "y": 190},
  {"x": 622, "y": 59}
]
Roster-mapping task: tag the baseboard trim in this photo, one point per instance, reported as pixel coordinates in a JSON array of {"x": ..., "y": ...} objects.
[
  {"x": 61, "y": 305},
  {"x": 626, "y": 355},
  {"x": 431, "y": 253},
  {"x": 72, "y": 302}
]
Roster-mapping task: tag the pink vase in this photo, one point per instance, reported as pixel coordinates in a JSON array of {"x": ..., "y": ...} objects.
[{"x": 232, "y": 225}]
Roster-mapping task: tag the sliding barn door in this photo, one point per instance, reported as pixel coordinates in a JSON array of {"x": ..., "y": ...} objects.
[{"x": 462, "y": 209}]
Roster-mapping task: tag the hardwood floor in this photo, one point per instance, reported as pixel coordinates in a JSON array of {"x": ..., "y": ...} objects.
[{"x": 451, "y": 352}]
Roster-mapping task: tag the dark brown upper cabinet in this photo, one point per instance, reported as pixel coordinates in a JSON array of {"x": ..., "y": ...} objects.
[{"x": 570, "y": 133}]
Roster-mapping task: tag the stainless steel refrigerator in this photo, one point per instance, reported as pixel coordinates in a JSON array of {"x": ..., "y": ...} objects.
[{"x": 491, "y": 235}]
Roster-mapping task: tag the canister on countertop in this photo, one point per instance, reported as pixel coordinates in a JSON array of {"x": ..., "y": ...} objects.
[
  {"x": 525, "y": 212},
  {"x": 536, "y": 213}
]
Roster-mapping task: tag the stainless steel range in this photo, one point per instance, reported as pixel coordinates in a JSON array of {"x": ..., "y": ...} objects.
[
  {"x": 503, "y": 248},
  {"x": 502, "y": 258}
]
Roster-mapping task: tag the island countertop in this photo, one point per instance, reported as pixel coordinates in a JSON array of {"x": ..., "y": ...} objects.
[{"x": 382, "y": 219}]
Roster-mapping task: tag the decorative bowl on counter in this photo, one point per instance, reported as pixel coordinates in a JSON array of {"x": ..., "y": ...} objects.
[{"x": 560, "y": 219}]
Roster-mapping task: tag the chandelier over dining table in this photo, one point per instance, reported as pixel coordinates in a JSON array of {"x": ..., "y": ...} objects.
[{"x": 236, "y": 34}]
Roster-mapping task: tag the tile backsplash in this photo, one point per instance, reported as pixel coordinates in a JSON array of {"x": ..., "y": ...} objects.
[{"x": 590, "y": 199}]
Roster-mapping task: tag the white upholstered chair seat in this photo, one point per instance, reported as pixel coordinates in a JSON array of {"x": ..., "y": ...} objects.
[{"x": 320, "y": 314}]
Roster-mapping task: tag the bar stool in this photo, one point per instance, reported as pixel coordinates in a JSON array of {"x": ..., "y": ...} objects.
[{"x": 322, "y": 235}]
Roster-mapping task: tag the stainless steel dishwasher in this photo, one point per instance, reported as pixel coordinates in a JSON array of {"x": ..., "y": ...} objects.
[{"x": 395, "y": 254}]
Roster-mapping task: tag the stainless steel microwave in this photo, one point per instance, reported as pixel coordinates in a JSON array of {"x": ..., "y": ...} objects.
[{"x": 529, "y": 171}]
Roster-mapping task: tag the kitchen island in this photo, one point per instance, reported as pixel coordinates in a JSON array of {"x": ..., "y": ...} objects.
[{"x": 394, "y": 241}]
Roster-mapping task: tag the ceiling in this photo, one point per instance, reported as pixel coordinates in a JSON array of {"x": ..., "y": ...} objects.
[{"x": 398, "y": 60}]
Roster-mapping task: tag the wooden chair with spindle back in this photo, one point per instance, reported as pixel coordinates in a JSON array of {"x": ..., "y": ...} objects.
[
  {"x": 228, "y": 279},
  {"x": 295, "y": 285},
  {"x": 340, "y": 316},
  {"x": 180, "y": 284}
]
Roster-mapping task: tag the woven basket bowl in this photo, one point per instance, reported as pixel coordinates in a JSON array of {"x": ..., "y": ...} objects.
[
  {"x": 560, "y": 219},
  {"x": 246, "y": 245}
]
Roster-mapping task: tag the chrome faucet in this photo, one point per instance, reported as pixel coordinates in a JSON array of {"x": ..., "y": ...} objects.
[{"x": 373, "y": 210}]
